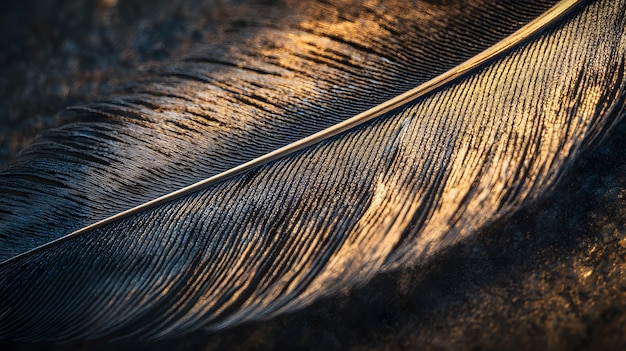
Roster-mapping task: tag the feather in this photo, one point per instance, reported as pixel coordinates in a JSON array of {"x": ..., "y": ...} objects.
[{"x": 396, "y": 186}]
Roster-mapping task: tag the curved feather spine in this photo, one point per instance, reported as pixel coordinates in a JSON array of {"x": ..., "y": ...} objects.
[
  {"x": 204, "y": 114},
  {"x": 518, "y": 38}
]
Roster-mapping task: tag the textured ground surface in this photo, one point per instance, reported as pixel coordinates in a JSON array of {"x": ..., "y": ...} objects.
[{"x": 553, "y": 276}]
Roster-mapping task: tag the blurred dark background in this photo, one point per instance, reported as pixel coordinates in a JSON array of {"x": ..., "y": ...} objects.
[{"x": 550, "y": 277}]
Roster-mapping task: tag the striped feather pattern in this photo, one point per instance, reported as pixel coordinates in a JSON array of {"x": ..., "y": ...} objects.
[{"x": 387, "y": 193}]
